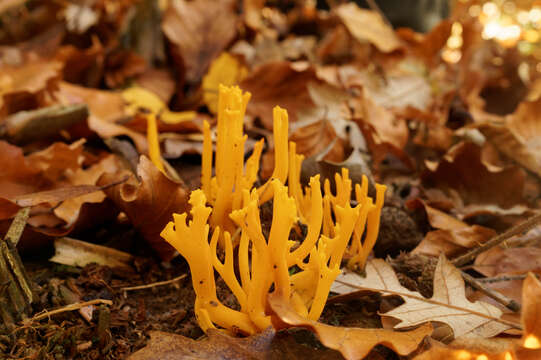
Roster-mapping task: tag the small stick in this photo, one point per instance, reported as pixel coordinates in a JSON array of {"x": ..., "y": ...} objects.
[
  {"x": 69, "y": 307},
  {"x": 497, "y": 240},
  {"x": 159, "y": 283},
  {"x": 504, "y": 278},
  {"x": 499, "y": 297}
]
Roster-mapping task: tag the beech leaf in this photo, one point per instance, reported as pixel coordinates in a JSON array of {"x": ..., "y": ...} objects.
[{"x": 353, "y": 343}]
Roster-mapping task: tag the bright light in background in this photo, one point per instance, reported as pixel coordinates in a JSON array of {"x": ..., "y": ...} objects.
[{"x": 532, "y": 342}]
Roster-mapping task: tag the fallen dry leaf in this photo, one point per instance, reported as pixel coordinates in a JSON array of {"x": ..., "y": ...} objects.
[
  {"x": 462, "y": 170},
  {"x": 220, "y": 346},
  {"x": 24, "y": 87},
  {"x": 225, "y": 70},
  {"x": 518, "y": 135},
  {"x": 448, "y": 304},
  {"x": 199, "y": 31},
  {"x": 367, "y": 25},
  {"x": 452, "y": 236},
  {"x": 520, "y": 349},
  {"x": 74, "y": 252},
  {"x": 150, "y": 203},
  {"x": 353, "y": 343},
  {"x": 279, "y": 83}
]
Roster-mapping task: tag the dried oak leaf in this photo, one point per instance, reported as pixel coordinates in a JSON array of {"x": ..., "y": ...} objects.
[
  {"x": 199, "y": 31},
  {"x": 353, "y": 343},
  {"x": 150, "y": 203},
  {"x": 367, "y": 25},
  {"x": 452, "y": 236},
  {"x": 462, "y": 170},
  {"x": 520, "y": 349},
  {"x": 448, "y": 304},
  {"x": 219, "y": 346}
]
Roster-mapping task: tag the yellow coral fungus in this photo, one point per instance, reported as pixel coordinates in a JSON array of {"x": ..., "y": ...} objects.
[{"x": 299, "y": 273}]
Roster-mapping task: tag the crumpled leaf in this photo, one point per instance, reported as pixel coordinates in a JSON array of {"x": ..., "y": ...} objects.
[
  {"x": 150, "y": 203},
  {"x": 448, "y": 304},
  {"x": 220, "y": 346},
  {"x": 24, "y": 87},
  {"x": 367, "y": 25},
  {"x": 452, "y": 236},
  {"x": 518, "y": 136},
  {"x": 105, "y": 108},
  {"x": 279, "y": 83},
  {"x": 353, "y": 343},
  {"x": 462, "y": 170},
  {"x": 198, "y": 31},
  {"x": 69, "y": 209},
  {"x": 226, "y": 70}
]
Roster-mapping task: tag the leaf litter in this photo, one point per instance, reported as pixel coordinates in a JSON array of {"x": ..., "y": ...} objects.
[{"x": 454, "y": 140}]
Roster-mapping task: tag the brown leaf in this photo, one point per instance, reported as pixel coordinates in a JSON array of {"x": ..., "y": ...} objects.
[
  {"x": 499, "y": 261},
  {"x": 70, "y": 208},
  {"x": 279, "y": 83},
  {"x": 220, "y": 346},
  {"x": 448, "y": 304},
  {"x": 518, "y": 349},
  {"x": 462, "y": 170},
  {"x": 24, "y": 87},
  {"x": 518, "y": 137},
  {"x": 452, "y": 236},
  {"x": 150, "y": 203},
  {"x": 199, "y": 31},
  {"x": 366, "y": 25},
  {"x": 353, "y": 343},
  {"x": 105, "y": 108}
]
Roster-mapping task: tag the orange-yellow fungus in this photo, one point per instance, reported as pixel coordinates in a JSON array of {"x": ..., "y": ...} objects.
[
  {"x": 229, "y": 204},
  {"x": 153, "y": 142}
]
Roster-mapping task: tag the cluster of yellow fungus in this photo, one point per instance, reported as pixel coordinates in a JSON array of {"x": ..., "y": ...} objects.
[{"x": 228, "y": 203}]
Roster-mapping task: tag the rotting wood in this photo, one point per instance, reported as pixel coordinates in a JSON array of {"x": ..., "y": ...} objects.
[{"x": 17, "y": 295}]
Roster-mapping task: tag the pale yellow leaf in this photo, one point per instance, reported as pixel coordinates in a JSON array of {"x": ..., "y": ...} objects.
[
  {"x": 225, "y": 70},
  {"x": 448, "y": 304}
]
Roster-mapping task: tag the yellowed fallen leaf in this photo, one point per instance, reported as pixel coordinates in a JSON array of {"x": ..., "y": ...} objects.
[
  {"x": 225, "y": 70},
  {"x": 448, "y": 304},
  {"x": 137, "y": 97},
  {"x": 353, "y": 343}
]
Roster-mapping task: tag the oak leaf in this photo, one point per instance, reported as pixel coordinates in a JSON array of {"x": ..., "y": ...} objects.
[{"x": 448, "y": 304}]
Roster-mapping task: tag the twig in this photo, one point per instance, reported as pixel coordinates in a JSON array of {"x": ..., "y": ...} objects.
[
  {"x": 18, "y": 296},
  {"x": 159, "y": 283},
  {"x": 69, "y": 307},
  {"x": 499, "y": 297},
  {"x": 501, "y": 278},
  {"x": 497, "y": 240}
]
